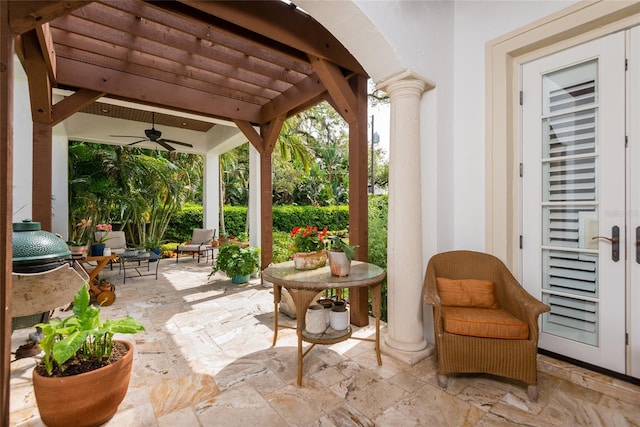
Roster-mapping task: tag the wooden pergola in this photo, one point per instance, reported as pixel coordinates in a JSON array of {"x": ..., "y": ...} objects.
[{"x": 254, "y": 63}]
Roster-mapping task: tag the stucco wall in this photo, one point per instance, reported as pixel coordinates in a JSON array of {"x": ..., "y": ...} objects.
[
  {"x": 22, "y": 146},
  {"x": 444, "y": 41},
  {"x": 477, "y": 22}
]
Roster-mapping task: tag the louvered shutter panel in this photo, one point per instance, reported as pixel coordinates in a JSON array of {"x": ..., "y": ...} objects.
[{"x": 570, "y": 200}]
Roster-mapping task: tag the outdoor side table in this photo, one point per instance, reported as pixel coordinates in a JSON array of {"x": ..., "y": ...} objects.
[
  {"x": 304, "y": 285},
  {"x": 138, "y": 263}
]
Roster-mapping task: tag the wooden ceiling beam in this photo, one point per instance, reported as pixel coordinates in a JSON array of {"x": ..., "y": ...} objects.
[
  {"x": 104, "y": 23},
  {"x": 301, "y": 93},
  {"x": 28, "y": 15},
  {"x": 229, "y": 30},
  {"x": 37, "y": 72},
  {"x": 252, "y": 135},
  {"x": 270, "y": 133},
  {"x": 285, "y": 24},
  {"x": 141, "y": 89},
  {"x": 48, "y": 50},
  {"x": 338, "y": 87},
  {"x": 72, "y": 104},
  {"x": 164, "y": 70},
  {"x": 203, "y": 27},
  {"x": 205, "y": 69}
]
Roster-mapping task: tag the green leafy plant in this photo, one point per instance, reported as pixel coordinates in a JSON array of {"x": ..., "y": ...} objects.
[
  {"x": 82, "y": 335},
  {"x": 237, "y": 261},
  {"x": 153, "y": 242},
  {"x": 336, "y": 244}
]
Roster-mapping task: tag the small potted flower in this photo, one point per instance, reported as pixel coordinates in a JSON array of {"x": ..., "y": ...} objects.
[
  {"x": 340, "y": 256},
  {"x": 103, "y": 230},
  {"x": 79, "y": 241},
  {"x": 308, "y": 247}
]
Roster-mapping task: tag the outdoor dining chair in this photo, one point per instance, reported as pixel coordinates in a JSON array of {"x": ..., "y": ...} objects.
[{"x": 199, "y": 244}]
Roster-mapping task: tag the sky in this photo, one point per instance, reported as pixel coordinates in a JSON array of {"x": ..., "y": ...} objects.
[{"x": 381, "y": 123}]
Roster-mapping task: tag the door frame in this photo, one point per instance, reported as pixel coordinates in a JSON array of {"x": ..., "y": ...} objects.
[{"x": 574, "y": 25}]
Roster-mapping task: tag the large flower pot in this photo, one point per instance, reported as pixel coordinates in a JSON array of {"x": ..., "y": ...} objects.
[
  {"x": 310, "y": 260},
  {"x": 85, "y": 400},
  {"x": 97, "y": 249},
  {"x": 339, "y": 263},
  {"x": 240, "y": 278}
]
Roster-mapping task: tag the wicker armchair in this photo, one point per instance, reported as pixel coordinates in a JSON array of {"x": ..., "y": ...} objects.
[{"x": 511, "y": 358}]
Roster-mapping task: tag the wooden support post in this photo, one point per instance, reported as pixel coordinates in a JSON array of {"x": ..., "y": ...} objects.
[
  {"x": 6, "y": 205},
  {"x": 266, "y": 209},
  {"x": 358, "y": 201},
  {"x": 42, "y": 174}
]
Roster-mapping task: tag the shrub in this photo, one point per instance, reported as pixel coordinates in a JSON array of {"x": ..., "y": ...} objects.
[
  {"x": 180, "y": 228},
  {"x": 281, "y": 242},
  {"x": 378, "y": 209}
]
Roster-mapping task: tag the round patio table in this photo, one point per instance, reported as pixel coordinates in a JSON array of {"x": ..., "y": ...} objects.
[{"x": 304, "y": 285}]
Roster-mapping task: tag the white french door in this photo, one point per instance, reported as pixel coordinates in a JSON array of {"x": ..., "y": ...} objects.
[{"x": 579, "y": 182}]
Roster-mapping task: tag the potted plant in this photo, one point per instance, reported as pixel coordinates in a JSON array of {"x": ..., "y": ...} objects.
[
  {"x": 154, "y": 244},
  {"x": 308, "y": 247},
  {"x": 97, "y": 247},
  {"x": 340, "y": 256},
  {"x": 79, "y": 241},
  {"x": 84, "y": 374},
  {"x": 237, "y": 262}
]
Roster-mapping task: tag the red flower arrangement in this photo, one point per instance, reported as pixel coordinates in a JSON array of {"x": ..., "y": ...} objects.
[{"x": 308, "y": 239}]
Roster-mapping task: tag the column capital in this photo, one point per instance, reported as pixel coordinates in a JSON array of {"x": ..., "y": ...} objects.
[{"x": 404, "y": 81}]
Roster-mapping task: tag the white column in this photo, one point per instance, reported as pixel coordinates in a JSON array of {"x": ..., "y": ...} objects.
[
  {"x": 254, "y": 197},
  {"x": 211, "y": 191},
  {"x": 405, "y": 333}
]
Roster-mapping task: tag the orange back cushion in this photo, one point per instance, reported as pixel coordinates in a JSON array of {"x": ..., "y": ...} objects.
[{"x": 467, "y": 293}]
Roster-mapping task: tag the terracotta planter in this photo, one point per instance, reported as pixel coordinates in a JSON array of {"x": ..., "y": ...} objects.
[
  {"x": 310, "y": 260},
  {"x": 79, "y": 250},
  {"x": 339, "y": 264},
  {"x": 85, "y": 400}
]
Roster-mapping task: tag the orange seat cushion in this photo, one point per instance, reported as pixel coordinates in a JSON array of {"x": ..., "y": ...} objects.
[
  {"x": 484, "y": 323},
  {"x": 467, "y": 293}
]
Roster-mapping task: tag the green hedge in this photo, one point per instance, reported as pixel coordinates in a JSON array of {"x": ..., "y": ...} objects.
[
  {"x": 235, "y": 218},
  {"x": 180, "y": 228}
]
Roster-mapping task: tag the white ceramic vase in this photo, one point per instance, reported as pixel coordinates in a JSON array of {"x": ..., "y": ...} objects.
[
  {"x": 314, "y": 320},
  {"x": 339, "y": 264},
  {"x": 339, "y": 320}
]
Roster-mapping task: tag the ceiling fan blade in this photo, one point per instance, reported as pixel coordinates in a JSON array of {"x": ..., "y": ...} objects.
[
  {"x": 165, "y": 145},
  {"x": 126, "y": 136},
  {"x": 177, "y": 142},
  {"x": 137, "y": 141}
]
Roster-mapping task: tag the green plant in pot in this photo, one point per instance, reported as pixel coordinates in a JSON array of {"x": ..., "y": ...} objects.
[
  {"x": 237, "y": 262},
  {"x": 84, "y": 374},
  {"x": 340, "y": 255}
]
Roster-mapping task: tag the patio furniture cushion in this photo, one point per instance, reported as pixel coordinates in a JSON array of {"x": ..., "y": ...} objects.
[
  {"x": 192, "y": 248},
  {"x": 116, "y": 240},
  {"x": 467, "y": 293},
  {"x": 201, "y": 236},
  {"x": 484, "y": 323}
]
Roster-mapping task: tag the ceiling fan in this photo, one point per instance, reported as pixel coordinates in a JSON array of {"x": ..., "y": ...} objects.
[{"x": 154, "y": 135}]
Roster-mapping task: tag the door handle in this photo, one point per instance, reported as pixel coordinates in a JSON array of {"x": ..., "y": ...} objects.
[
  {"x": 638, "y": 245},
  {"x": 615, "y": 242}
]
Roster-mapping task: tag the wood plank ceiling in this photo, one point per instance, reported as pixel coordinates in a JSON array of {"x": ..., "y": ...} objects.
[{"x": 245, "y": 61}]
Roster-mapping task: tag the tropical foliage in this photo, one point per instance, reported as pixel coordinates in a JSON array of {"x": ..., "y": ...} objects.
[
  {"x": 82, "y": 335},
  {"x": 138, "y": 189}
]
